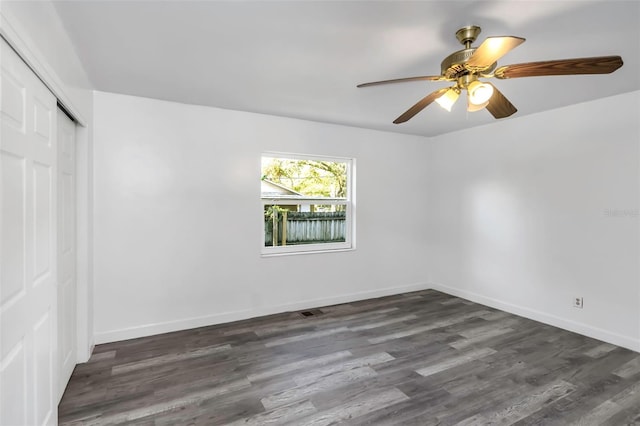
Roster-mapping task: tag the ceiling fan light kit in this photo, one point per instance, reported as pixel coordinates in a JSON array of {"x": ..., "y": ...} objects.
[{"x": 466, "y": 66}]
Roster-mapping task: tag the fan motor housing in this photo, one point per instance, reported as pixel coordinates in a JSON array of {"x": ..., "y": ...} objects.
[
  {"x": 452, "y": 67},
  {"x": 454, "y": 63}
]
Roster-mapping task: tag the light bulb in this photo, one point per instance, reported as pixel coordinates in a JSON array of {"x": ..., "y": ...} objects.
[
  {"x": 449, "y": 98},
  {"x": 479, "y": 92}
]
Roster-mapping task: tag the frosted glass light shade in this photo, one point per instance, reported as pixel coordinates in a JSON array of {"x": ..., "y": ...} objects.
[
  {"x": 449, "y": 98},
  {"x": 479, "y": 93}
]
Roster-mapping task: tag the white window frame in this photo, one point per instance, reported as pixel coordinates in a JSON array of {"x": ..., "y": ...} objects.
[{"x": 348, "y": 202}]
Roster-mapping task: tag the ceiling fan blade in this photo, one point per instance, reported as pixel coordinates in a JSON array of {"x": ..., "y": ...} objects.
[
  {"x": 492, "y": 49},
  {"x": 403, "y": 80},
  {"x": 596, "y": 65},
  {"x": 420, "y": 105},
  {"x": 499, "y": 106}
]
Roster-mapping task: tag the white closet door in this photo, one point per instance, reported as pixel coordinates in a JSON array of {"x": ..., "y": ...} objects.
[
  {"x": 66, "y": 250},
  {"x": 28, "y": 330}
]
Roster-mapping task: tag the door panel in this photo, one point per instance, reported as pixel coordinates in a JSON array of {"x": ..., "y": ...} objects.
[
  {"x": 28, "y": 329},
  {"x": 43, "y": 379},
  {"x": 12, "y": 280},
  {"x": 42, "y": 214}
]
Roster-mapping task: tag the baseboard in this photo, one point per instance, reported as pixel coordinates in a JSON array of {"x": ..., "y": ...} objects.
[
  {"x": 84, "y": 354},
  {"x": 543, "y": 317},
  {"x": 221, "y": 318}
]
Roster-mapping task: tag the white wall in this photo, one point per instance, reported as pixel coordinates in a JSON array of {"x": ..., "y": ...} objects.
[
  {"x": 527, "y": 213},
  {"x": 523, "y": 215},
  {"x": 178, "y": 226}
]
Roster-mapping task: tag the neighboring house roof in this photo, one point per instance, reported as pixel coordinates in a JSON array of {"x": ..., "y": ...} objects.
[{"x": 270, "y": 189}]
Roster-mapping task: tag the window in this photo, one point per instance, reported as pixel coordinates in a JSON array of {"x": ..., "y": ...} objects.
[{"x": 306, "y": 203}]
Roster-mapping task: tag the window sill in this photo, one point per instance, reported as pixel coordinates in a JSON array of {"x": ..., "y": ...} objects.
[{"x": 296, "y": 253}]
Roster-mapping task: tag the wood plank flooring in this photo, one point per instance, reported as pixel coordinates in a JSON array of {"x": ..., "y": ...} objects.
[{"x": 423, "y": 358}]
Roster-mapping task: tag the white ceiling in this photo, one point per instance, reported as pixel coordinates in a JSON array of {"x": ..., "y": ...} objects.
[{"x": 303, "y": 59}]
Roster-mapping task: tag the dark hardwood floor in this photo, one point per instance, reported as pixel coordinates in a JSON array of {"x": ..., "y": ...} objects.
[{"x": 422, "y": 358}]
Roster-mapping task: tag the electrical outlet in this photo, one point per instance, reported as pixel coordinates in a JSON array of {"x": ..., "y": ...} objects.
[{"x": 578, "y": 302}]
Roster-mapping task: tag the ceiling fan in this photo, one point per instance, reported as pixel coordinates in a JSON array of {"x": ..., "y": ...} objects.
[{"x": 465, "y": 68}]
